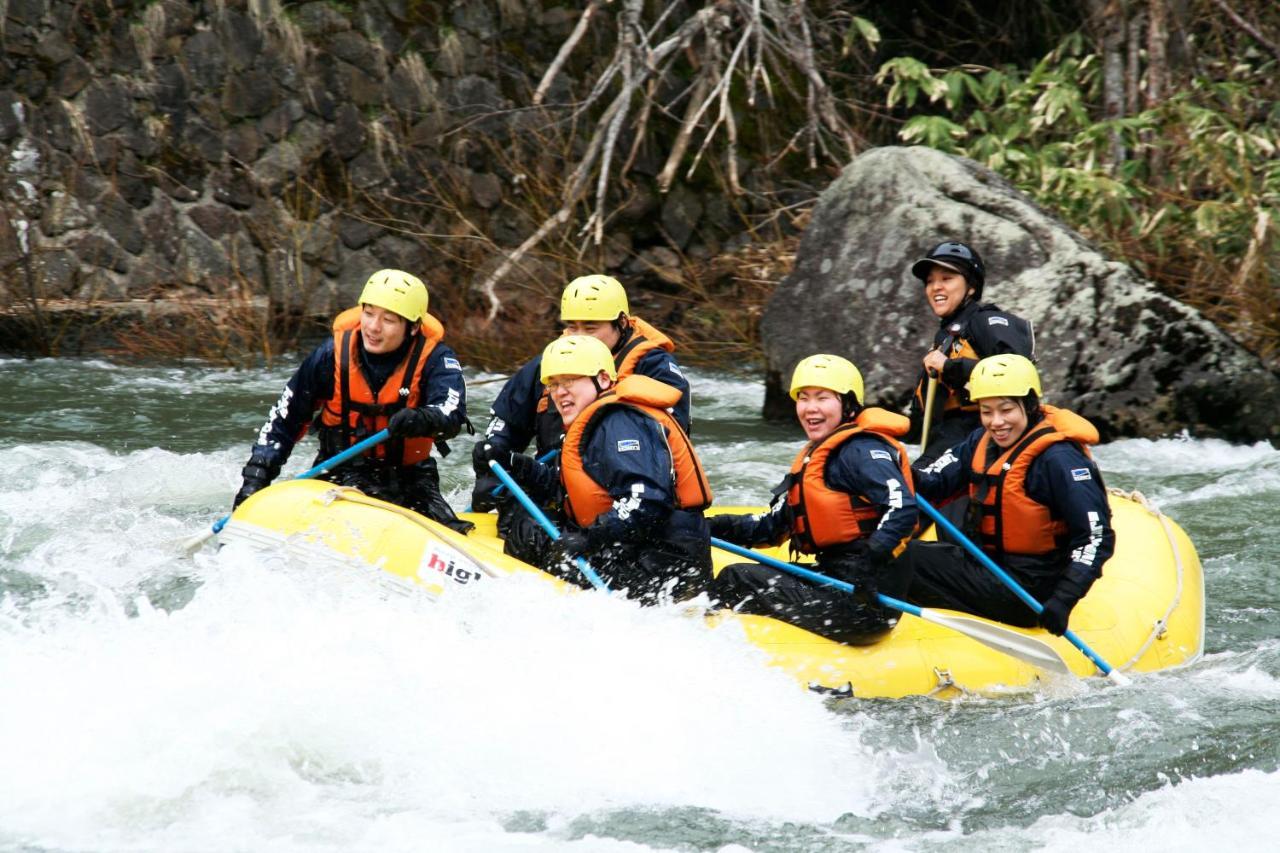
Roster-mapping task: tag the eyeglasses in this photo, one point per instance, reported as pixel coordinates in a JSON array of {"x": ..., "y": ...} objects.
[{"x": 556, "y": 383}]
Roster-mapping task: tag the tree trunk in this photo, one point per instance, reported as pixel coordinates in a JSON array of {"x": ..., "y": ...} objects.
[{"x": 1107, "y": 20}]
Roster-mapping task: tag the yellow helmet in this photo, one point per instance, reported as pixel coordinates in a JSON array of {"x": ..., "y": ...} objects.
[
  {"x": 396, "y": 291},
  {"x": 1003, "y": 376},
  {"x": 577, "y": 355},
  {"x": 593, "y": 297},
  {"x": 827, "y": 371}
]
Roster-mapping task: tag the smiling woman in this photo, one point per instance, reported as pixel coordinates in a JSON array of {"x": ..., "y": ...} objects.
[
  {"x": 1042, "y": 504},
  {"x": 954, "y": 275},
  {"x": 848, "y": 501}
]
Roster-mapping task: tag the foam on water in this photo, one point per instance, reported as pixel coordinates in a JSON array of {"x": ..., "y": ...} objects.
[
  {"x": 1183, "y": 455},
  {"x": 281, "y": 700},
  {"x": 1229, "y": 812}
]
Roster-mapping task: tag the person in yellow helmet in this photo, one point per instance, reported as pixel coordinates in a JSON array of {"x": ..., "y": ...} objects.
[
  {"x": 385, "y": 366},
  {"x": 1037, "y": 504},
  {"x": 594, "y": 305},
  {"x": 847, "y": 500},
  {"x": 629, "y": 484}
]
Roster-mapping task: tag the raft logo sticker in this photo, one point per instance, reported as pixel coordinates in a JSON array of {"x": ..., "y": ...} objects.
[
  {"x": 627, "y": 445},
  {"x": 1079, "y": 474},
  {"x": 443, "y": 562}
]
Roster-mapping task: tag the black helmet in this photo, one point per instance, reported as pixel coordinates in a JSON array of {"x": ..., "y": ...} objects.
[{"x": 960, "y": 257}]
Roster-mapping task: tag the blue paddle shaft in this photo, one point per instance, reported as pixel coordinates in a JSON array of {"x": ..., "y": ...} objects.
[
  {"x": 546, "y": 524},
  {"x": 807, "y": 574},
  {"x": 1015, "y": 587},
  {"x": 326, "y": 466}
]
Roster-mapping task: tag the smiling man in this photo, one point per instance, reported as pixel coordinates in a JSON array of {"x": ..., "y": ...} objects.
[
  {"x": 385, "y": 367},
  {"x": 629, "y": 481},
  {"x": 1037, "y": 501},
  {"x": 594, "y": 305}
]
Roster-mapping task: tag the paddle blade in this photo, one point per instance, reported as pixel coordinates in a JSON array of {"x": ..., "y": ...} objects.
[
  {"x": 1031, "y": 650},
  {"x": 193, "y": 543}
]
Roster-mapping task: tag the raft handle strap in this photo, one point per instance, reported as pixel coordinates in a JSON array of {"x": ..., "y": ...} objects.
[{"x": 1160, "y": 627}]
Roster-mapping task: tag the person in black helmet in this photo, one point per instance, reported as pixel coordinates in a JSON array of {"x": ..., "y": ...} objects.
[{"x": 968, "y": 331}]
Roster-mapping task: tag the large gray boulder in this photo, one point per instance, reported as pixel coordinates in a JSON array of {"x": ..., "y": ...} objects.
[{"x": 1108, "y": 344}]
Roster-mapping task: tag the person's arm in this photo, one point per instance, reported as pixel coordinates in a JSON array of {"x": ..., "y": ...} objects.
[
  {"x": 310, "y": 385},
  {"x": 512, "y": 425},
  {"x": 869, "y": 467},
  {"x": 513, "y": 416},
  {"x": 627, "y": 454},
  {"x": 442, "y": 400},
  {"x": 947, "y": 477},
  {"x": 660, "y": 365},
  {"x": 770, "y": 527},
  {"x": 1068, "y": 482}
]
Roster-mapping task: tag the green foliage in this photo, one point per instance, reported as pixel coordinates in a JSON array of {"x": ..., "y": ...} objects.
[{"x": 1193, "y": 201}]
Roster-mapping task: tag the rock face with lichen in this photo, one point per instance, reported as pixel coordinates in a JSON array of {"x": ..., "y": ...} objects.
[
  {"x": 1108, "y": 344},
  {"x": 277, "y": 153}
]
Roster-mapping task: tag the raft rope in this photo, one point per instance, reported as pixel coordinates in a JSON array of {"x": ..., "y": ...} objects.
[
  {"x": 346, "y": 493},
  {"x": 1161, "y": 624}
]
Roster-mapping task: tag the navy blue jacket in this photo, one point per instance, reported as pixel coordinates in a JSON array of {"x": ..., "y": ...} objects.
[
  {"x": 862, "y": 466},
  {"x": 513, "y": 420},
  {"x": 1061, "y": 478},
  {"x": 626, "y": 453},
  {"x": 311, "y": 386}
]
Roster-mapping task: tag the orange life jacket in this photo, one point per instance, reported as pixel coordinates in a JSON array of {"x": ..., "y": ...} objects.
[
  {"x": 584, "y": 497},
  {"x": 1011, "y": 522},
  {"x": 644, "y": 338},
  {"x": 822, "y": 517},
  {"x": 356, "y": 410},
  {"x": 957, "y": 399}
]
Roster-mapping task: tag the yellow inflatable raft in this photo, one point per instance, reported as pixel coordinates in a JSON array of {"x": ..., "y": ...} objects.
[{"x": 1145, "y": 614}]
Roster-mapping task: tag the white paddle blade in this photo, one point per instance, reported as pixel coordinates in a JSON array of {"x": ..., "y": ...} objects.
[
  {"x": 192, "y": 544},
  {"x": 1032, "y": 650},
  {"x": 1119, "y": 677}
]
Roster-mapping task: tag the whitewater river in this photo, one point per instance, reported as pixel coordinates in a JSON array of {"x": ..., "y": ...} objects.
[{"x": 150, "y": 702}]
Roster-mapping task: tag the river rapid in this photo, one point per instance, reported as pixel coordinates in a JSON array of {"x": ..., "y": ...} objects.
[{"x": 154, "y": 702}]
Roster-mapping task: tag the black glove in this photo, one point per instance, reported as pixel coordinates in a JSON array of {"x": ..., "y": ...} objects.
[
  {"x": 480, "y": 458},
  {"x": 863, "y": 568},
  {"x": 258, "y": 474},
  {"x": 571, "y": 544},
  {"x": 521, "y": 467},
  {"x": 1057, "y": 609},
  {"x": 417, "y": 423},
  {"x": 723, "y": 526}
]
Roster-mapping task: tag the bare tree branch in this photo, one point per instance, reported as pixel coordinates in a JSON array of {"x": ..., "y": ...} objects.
[
  {"x": 1247, "y": 28},
  {"x": 565, "y": 50}
]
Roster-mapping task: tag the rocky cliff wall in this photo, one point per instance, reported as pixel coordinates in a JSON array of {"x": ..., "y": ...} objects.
[{"x": 271, "y": 155}]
